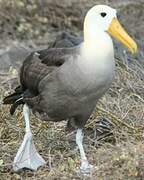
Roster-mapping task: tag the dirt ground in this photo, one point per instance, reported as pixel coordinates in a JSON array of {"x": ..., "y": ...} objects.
[{"x": 32, "y": 24}]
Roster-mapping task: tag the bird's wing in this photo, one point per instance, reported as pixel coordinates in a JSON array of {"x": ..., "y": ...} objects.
[
  {"x": 54, "y": 56},
  {"x": 66, "y": 40},
  {"x": 40, "y": 64}
]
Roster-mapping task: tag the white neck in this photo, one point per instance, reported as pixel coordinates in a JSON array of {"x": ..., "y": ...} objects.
[
  {"x": 97, "y": 44},
  {"x": 97, "y": 54}
]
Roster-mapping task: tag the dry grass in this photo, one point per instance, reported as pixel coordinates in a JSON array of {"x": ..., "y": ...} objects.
[{"x": 123, "y": 105}]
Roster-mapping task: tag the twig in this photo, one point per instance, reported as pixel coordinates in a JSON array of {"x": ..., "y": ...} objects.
[{"x": 115, "y": 119}]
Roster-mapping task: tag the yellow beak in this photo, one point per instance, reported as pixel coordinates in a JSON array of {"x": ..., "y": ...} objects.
[{"x": 117, "y": 31}]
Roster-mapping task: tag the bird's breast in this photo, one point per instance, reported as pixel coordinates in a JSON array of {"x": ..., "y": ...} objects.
[{"x": 88, "y": 77}]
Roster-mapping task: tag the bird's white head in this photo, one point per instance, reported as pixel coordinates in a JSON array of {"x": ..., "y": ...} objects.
[{"x": 100, "y": 21}]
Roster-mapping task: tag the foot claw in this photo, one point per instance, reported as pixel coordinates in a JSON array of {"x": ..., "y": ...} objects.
[
  {"x": 86, "y": 168},
  {"x": 27, "y": 155}
]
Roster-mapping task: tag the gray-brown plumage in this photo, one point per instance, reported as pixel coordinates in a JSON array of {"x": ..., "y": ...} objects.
[{"x": 53, "y": 95}]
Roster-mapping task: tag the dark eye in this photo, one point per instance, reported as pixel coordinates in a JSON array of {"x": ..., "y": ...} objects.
[{"x": 103, "y": 14}]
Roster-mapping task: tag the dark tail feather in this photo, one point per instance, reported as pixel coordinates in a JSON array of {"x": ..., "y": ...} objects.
[
  {"x": 15, "y": 99},
  {"x": 11, "y": 98},
  {"x": 15, "y": 105}
]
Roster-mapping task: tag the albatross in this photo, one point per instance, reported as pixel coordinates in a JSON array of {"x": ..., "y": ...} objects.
[{"x": 66, "y": 83}]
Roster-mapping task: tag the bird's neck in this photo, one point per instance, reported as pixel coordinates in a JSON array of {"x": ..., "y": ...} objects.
[{"x": 97, "y": 44}]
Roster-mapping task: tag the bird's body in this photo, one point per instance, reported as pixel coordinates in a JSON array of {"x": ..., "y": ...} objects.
[
  {"x": 61, "y": 84},
  {"x": 66, "y": 83}
]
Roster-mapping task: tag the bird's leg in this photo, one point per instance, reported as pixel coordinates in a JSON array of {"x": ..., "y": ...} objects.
[
  {"x": 27, "y": 155},
  {"x": 85, "y": 166},
  {"x": 26, "y": 114}
]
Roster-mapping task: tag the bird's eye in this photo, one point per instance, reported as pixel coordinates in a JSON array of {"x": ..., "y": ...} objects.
[{"x": 103, "y": 14}]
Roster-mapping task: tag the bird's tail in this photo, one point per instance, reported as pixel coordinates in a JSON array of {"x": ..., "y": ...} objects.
[{"x": 14, "y": 99}]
